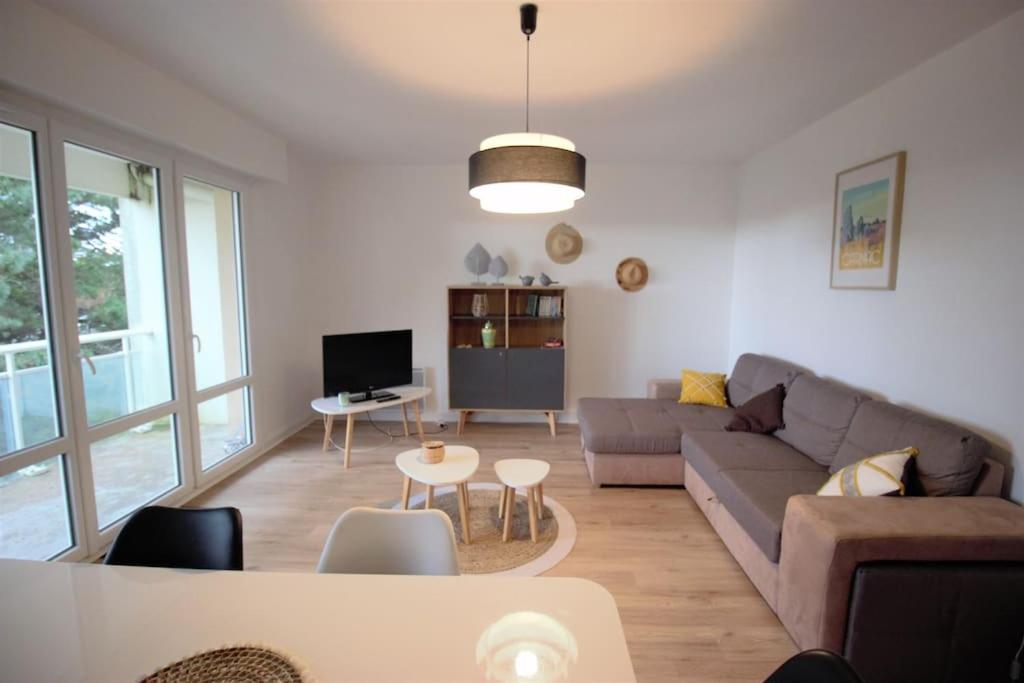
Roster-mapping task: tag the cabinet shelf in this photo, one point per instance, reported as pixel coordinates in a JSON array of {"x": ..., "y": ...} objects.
[{"x": 545, "y": 318}]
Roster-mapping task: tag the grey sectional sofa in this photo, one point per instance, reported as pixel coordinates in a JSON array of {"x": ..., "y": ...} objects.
[{"x": 825, "y": 564}]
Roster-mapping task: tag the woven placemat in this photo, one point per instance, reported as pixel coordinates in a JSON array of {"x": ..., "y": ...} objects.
[{"x": 248, "y": 663}]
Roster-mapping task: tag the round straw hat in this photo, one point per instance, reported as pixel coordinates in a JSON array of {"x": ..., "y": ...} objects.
[
  {"x": 631, "y": 274},
  {"x": 563, "y": 243}
]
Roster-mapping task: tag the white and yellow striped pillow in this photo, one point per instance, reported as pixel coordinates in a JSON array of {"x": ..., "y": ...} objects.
[{"x": 877, "y": 475}]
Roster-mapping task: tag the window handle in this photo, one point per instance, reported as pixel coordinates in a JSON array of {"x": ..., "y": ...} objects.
[
  {"x": 198, "y": 343},
  {"x": 88, "y": 361}
]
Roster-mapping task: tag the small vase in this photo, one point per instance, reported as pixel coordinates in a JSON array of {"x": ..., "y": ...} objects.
[
  {"x": 487, "y": 334},
  {"x": 479, "y": 305}
]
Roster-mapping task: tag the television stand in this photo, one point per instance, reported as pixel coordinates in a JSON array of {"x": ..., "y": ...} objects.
[
  {"x": 362, "y": 397},
  {"x": 329, "y": 408}
]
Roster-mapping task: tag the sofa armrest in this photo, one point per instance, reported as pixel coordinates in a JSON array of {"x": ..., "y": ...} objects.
[
  {"x": 664, "y": 388},
  {"x": 825, "y": 538}
]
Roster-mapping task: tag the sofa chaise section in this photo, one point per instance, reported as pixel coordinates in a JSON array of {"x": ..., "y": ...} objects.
[{"x": 637, "y": 441}]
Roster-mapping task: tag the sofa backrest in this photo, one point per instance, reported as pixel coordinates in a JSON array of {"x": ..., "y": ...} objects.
[
  {"x": 818, "y": 414},
  {"x": 754, "y": 374},
  {"x": 950, "y": 457}
]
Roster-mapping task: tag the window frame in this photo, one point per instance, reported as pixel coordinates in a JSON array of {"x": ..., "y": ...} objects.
[
  {"x": 52, "y": 126},
  {"x": 64, "y": 444}
]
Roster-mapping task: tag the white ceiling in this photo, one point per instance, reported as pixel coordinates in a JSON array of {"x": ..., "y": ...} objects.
[{"x": 424, "y": 82}]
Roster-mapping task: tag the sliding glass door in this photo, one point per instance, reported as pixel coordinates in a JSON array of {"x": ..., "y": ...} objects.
[
  {"x": 125, "y": 375},
  {"x": 119, "y": 252},
  {"x": 211, "y": 230}
]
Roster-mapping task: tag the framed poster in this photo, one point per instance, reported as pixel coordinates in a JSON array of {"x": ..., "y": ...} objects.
[{"x": 866, "y": 224}]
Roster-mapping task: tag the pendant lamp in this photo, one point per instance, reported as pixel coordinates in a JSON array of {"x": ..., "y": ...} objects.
[{"x": 527, "y": 172}]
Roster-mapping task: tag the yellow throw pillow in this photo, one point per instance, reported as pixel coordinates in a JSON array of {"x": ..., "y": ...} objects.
[
  {"x": 703, "y": 388},
  {"x": 877, "y": 475}
]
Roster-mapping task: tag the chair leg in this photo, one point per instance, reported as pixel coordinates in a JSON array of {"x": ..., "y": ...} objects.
[
  {"x": 510, "y": 512},
  {"x": 532, "y": 510},
  {"x": 406, "y": 490}
]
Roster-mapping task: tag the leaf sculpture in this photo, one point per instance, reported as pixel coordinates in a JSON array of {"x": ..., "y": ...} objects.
[
  {"x": 498, "y": 269},
  {"x": 477, "y": 261}
]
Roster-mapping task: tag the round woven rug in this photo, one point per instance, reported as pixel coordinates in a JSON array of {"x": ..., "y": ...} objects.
[{"x": 487, "y": 554}]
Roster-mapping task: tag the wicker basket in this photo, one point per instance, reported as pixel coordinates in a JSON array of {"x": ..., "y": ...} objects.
[{"x": 433, "y": 452}]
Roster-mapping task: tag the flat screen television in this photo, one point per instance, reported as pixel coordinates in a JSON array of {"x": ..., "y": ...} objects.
[{"x": 363, "y": 363}]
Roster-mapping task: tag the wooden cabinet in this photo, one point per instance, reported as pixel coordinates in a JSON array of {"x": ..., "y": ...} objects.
[{"x": 520, "y": 373}]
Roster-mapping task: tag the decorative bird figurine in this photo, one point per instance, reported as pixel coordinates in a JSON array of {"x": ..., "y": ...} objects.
[{"x": 545, "y": 280}]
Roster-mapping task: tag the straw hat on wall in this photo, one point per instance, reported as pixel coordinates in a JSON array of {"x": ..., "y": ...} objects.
[
  {"x": 563, "y": 244},
  {"x": 631, "y": 274}
]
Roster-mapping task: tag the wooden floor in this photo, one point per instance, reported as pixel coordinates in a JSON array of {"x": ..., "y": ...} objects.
[{"x": 688, "y": 610}]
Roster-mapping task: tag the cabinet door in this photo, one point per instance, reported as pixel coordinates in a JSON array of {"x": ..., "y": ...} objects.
[
  {"x": 536, "y": 379},
  {"x": 479, "y": 378}
]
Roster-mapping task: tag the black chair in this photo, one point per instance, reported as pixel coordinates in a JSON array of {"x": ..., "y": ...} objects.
[
  {"x": 815, "y": 666},
  {"x": 180, "y": 538}
]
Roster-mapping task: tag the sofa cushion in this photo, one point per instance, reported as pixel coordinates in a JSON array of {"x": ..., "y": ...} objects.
[
  {"x": 711, "y": 453},
  {"x": 818, "y": 413},
  {"x": 949, "y": 457},
  {"x": 642, "y": 425},
  {"x": 754, "y": 374},
  {"x": 761, "y": 414},
  {"x": 757, "y": 500}
]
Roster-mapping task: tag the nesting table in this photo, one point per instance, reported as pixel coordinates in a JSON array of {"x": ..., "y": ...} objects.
[
  {"x": 330, "y": 408},
  {"x": 526, "y": 474},
  {"x": 459, "y": 464}
]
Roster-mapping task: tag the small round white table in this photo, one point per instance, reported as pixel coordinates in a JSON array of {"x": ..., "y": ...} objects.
[
  {"x": 330, "y": 408},
  {"x": 521, "y": 473},
  {"x": 459, "y": 464}
]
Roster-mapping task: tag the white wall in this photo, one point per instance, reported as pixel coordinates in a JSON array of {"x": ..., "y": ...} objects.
[
  {"x": 395, "y": 237},
  {"x": 279, "y": 222},
  {"x": 46, "y": 55},
  {"x": 949, "y": 339}
]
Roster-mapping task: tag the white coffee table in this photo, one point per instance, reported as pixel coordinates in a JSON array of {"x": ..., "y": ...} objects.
[
  {"x": 459, "y": 464},
  {"x": 330, "y": 408}
]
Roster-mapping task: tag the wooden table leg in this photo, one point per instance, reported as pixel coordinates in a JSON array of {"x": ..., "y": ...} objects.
[
  {"x": 540, "y": 500},
  {"x": 532, "y": 509},
  {"x": 429, "y": 500},
  {"x": 406, "y": 489},
  {"x": 405, "y": 420},
  {"x": 464, "y": 511},
  {"x": 328, "y": 428},
  {"x": 350, "y": 424},
  {"x": 510, "y": 511},
  {"x": 501, "y": 502},
  {"x": 419, "y": 421}
]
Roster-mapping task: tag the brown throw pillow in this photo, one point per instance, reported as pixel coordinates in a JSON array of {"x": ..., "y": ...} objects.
[{"x": 761, "y": 414}]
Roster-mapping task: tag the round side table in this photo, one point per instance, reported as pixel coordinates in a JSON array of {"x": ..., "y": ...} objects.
[
  {"x": 521, "y": 473},
  {"x": 459, "y": 464}
]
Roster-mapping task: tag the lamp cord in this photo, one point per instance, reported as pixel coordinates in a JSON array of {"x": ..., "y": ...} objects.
[{"x": 527, "y": 83}]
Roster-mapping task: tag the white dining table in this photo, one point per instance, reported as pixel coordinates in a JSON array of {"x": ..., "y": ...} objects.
[{"x": 85, "y": 622}]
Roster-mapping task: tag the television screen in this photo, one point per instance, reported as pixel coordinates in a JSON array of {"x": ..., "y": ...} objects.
[{"x": 359, "y": 363}]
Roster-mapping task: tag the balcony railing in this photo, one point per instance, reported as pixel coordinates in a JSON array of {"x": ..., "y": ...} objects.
[{"x": 28, "y": 414}]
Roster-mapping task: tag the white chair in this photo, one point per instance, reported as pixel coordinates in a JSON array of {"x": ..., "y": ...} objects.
[{"x": 373, "y": 541}]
